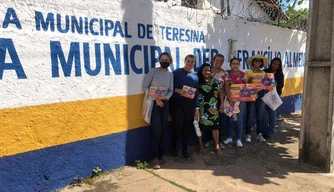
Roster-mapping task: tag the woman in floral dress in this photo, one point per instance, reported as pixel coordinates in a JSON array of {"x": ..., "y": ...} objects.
[
  {"x": 222, "y": 76},
  {"x": 208, "y": 99}
]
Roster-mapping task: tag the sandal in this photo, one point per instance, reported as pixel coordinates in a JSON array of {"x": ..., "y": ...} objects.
[
  {"x": 201, "y": 149},
  {"x": 218, "y": 151}
]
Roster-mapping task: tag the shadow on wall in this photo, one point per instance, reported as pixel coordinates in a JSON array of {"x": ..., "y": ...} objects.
[
  {"x": 138, "y": 140},
  {"x": 290, "y": 104},
  {"x": 142, "y": 136}
]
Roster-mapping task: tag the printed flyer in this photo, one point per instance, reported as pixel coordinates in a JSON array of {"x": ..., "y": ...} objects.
[
  {"x": 156, "y": 91},
  {"x": 190, "y": 92}
]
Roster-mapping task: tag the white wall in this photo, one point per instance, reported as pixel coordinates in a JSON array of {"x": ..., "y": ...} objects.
[{"x": 33, "y": 47}]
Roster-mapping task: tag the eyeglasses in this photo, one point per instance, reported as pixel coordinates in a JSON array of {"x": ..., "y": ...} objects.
[{"x": 258, "y": 60}]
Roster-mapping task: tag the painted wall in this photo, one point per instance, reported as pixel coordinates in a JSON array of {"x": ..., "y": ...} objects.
[{"x": 71, "y": 73}]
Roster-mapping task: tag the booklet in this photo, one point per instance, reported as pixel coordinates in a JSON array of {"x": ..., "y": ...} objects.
[
  {"x": 190, "y": 92},
  {"x": 156, "y": 91}
]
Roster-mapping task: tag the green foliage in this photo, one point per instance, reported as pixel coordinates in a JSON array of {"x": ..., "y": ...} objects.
[
  {"x": 141, "y": 165},
  {"x": 96, "y": 172},
  {"x": 297, "y": 18}
]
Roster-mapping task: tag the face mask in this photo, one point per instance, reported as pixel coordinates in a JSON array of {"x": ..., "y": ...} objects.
[{"x": 164, "y": 65}]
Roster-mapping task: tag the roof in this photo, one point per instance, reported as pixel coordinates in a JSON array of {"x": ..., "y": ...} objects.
[{"x": 273, "y": 9}]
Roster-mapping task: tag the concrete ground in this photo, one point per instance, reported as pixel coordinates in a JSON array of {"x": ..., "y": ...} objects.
[{"x": 271, "y": 166}]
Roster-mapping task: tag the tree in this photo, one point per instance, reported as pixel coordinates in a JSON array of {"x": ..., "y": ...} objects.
[{"x": 297, "y": 19}]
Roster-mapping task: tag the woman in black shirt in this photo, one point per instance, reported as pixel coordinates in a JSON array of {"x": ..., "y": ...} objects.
[{"x": 276, "y": 68}]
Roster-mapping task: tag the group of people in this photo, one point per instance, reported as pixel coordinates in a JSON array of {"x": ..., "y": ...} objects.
[{"x": 212, "y": 84}]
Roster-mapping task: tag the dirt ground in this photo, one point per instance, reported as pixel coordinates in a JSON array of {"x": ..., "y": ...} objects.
[{"x": 271, "y": 166}]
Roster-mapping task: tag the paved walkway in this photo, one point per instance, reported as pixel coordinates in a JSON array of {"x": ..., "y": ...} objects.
[{"x": 271, "y": 166}]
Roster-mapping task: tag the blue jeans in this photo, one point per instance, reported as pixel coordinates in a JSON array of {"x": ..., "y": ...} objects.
[
  {"x": 159, "y": 122},
  {"x": 269, "y": 122},
  {"x": 237, "y": 125},
  {"x": 255, "y": 112}
]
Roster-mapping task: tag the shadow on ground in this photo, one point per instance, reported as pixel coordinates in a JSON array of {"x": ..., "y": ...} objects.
[{"x": 256, "y": 162}]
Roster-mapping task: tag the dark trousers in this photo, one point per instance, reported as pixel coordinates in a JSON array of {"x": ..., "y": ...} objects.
[
  {"x": 255, "y": 113},
  {"x": 182, "y": 112},
  {"x": 269, "y": 122},
  {"x": 159, "y": 122}
]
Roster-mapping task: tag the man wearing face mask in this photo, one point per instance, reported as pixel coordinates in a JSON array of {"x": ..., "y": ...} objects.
[{"x": 162, "y": 79}]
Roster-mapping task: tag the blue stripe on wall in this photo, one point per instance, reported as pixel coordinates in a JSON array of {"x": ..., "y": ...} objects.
[
  {"x": 291, "y": 104},
  {"x": 55, "y": 167}
]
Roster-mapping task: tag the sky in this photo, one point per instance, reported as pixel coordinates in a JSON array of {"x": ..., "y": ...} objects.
[{"x": 305, "y": 4}]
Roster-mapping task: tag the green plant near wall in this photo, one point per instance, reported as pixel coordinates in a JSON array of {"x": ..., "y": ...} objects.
[
  {"x": 96, "y": 172},
  {"x": 141, "y": 165}
]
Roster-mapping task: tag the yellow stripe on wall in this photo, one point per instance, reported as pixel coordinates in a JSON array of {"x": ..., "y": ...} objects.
[
  {"x": 31, "y": 128},
  {"x": 293, "y": 86}
]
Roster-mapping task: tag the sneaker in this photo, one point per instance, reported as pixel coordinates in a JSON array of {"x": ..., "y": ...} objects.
[
  {"x": 164, "y": 161},
  {"x": 260, "y": 138},
  {"x": 221, "y": 146},
  {"x": 228, "y": 140},
  {"x": 206, "y": 144},
  {"x": 155, "y": 163},
  {"x": 239, "y": 144},
  {"x": 248, "y": 138},
  {"x": 267, "y": 137}
]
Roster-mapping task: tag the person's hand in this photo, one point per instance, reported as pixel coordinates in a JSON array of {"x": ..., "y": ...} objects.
[
  {"x": 196, "y": 115},
  {"x": 182, "y": 92},
  {"x": 230, "y": 102},
  {"x": 162, "y": 97},
  {"x": 159, "y": 102}
]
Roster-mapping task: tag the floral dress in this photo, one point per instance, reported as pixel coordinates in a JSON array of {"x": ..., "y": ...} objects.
[
  {"x": 208, "y": 101},
  {"x": 222, "y": 77}
]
